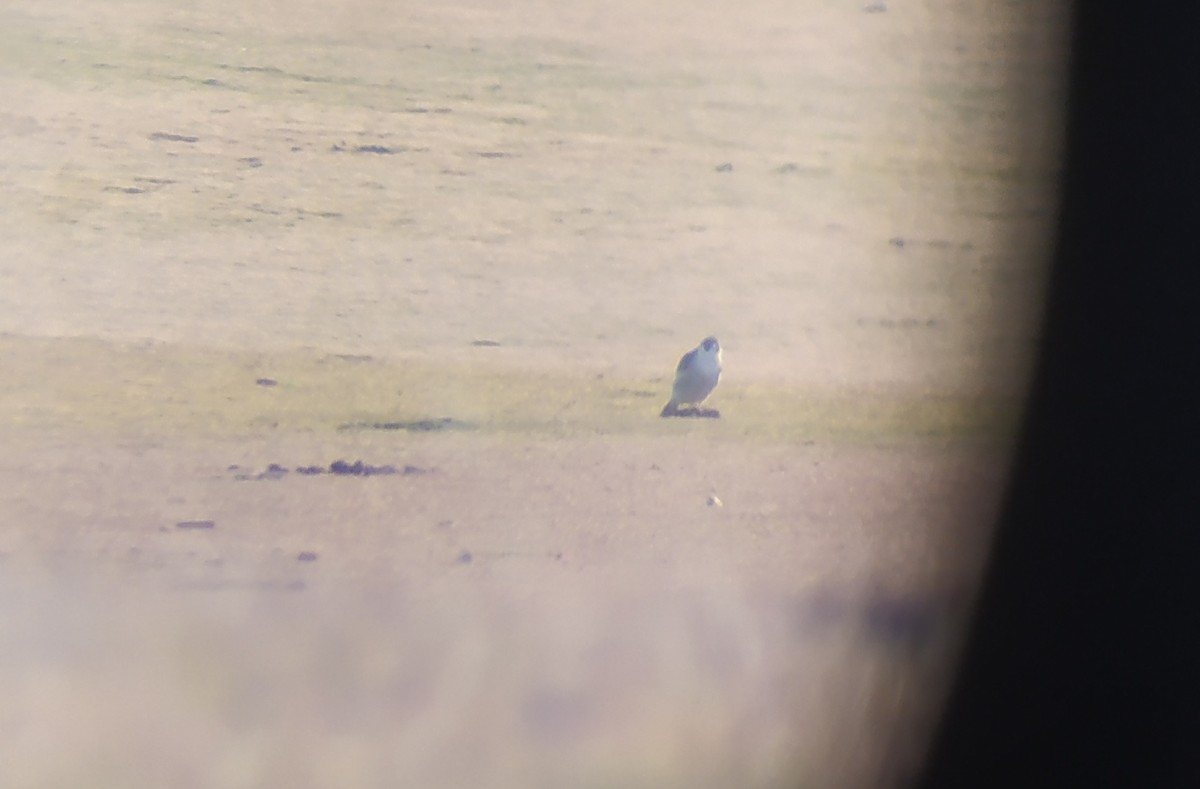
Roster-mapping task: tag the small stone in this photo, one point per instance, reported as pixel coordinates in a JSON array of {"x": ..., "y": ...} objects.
[
  {"x": 713, "y": 501},
  {"x": 170, "y": 137},
  {"x": 465, "y": 557},
  {"x": 306, "y": 556},
  {"x": 381, "y": 149},
  {"x": 196, "y": 525},
  {"x": 342, "y": 467},
  {"x": 274, "y": 471}
]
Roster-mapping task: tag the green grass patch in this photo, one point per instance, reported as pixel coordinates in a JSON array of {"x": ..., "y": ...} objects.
[{"x": 159, "y": 389}]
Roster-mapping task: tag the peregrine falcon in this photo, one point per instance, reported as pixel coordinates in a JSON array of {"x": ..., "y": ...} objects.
[{"x": 696, "y": 376}]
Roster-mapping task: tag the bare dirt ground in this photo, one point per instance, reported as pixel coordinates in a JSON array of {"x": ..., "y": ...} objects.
[{"x": 469, "y": 243}]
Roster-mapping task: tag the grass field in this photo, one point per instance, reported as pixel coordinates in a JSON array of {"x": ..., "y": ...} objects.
[{"x": 238, "y": 235}]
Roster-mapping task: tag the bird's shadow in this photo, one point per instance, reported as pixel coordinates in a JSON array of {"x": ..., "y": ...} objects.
[{"x": 694, "y": 413}]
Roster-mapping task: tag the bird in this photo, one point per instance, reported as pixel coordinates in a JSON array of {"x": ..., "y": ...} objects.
[{"x": 696, "y": 376}]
